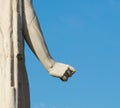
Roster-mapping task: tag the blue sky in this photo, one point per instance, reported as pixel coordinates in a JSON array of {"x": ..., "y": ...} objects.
[{"x": 85, "y": 34}]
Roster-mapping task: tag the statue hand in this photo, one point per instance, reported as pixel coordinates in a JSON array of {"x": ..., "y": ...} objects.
[{"x": 62, "y": 71}]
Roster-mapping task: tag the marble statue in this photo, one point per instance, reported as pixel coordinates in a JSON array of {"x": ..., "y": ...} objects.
[{"x": 18, "y": 22}]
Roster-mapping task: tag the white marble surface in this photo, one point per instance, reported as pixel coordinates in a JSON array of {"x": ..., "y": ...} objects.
[{"x": 18, "y": 22}]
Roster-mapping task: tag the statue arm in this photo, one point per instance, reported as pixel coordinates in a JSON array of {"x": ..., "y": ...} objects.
[{"x": 34, "y": 37}]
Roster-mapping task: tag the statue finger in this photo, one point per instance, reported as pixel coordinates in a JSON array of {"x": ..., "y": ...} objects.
[
  {"x": 72, "y": 69},
  {"x": 69, "y": 72},
  {"x": 64, "y": 77}
]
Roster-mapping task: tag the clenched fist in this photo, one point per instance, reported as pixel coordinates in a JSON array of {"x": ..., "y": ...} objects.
[{"x": 62, "y": 71}]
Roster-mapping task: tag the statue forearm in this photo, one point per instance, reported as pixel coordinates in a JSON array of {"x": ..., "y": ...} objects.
[{"x": 37, "y": 43}]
